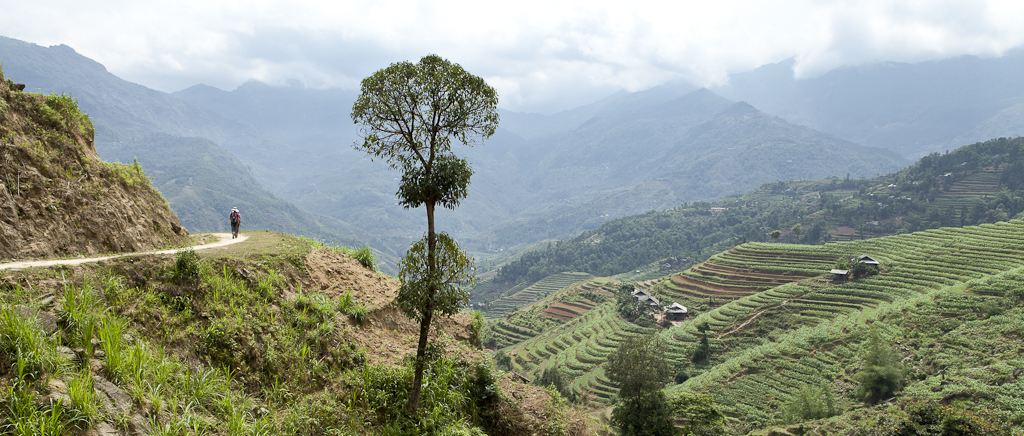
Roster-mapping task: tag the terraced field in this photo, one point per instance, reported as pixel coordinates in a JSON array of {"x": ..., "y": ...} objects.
[
  {"x": 551, "y": 311},
  {"x": 533, "y": 293},
  {"x": 746, "y": 270},
  {"x": 577, "y": 304},
  {"x": 826, "y": 321},
  {"x": 578, "y": 349},
  {"x": 968, "y": 191},
  {"x": 786, "y": 325}
]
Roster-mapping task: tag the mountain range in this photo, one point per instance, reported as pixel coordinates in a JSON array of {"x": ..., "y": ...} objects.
[{"x": 284, "y": 153}]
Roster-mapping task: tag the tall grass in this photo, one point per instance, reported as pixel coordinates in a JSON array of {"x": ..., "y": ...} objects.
[
  {"x": 362, "y": 254},
  {"x": 21, "y": 338}
]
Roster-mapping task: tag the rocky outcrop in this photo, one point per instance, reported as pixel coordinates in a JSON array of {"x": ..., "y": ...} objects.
[{"x": 58, "y": 199}]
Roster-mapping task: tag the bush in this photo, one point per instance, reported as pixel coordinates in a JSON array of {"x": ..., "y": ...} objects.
[
  {"x": 809, "y": 404},
  {"x": 188, "y": 267},
  {"x": 365, "y": 257},
  {"x": 883, "y": 375},
  {"x": 477, "y": 329}
]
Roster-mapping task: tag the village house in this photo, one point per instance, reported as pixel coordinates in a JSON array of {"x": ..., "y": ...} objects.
[{"x": 675, "y": 312}]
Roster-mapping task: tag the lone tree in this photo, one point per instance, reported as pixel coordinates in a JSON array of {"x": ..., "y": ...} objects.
[
  {"x": 410, "y": 115},
  {"x": 640, "y": 369},
  {"x": 797, "y": 229}
]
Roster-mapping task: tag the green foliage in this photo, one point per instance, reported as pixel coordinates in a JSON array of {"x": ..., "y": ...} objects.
[
  {"x": 627, "y": 306},
  {"x": 638, "y": 366},
  {"x": 503, "y": 361},
  {"x": 365, "y": 257},
  {"x": 931, "y": 419},
  {"x": 131, "y": 174},
  {"x": 697, "y": 414},
  {"x": 810, "y": 403},
  {"x": 62, "y": 112},
  {"x": 409, "y": 109},
  {"x": 648, "y": 414},
  {"x": 556, "y": 379},
  {"x": 476, "y": 329},
  {"x": 444, "y": 290},
  {"x": 188, "y": 267},
  {"x": 23, "y": 341},
  {"x": 452, "y": 390},
  {"x": 703, "y": 349},
  {"x": 883, "y": 374}
]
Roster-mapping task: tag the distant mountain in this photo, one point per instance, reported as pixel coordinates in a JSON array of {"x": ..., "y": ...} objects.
[
  {"x": 201, "y": 179},
  {"x": 736, "y": 149},
  {"x": 913, "y": 109},
  {"x": 974, "y": 184},
  {"x": 540, "y": 176}
]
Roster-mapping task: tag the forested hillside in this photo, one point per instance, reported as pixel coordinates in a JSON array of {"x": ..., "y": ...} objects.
[{"x": 979, "y": 183}]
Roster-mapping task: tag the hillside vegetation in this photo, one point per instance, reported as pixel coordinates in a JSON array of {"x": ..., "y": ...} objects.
[
  {"x": 274, "y": 336},
  {"x": 979, "y": 183},
  {"x": 57, "y": 198},
  {"x": 778, "y": 330}
]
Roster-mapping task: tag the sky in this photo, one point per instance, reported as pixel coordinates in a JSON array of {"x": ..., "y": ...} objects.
[{"x": 541, "y": 56}]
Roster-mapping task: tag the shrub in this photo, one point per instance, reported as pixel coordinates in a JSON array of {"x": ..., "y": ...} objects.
[
  {"x": 883, "y": 374},
  {"x": 809, "y": 404},
  {"x": 188, "y": 268},
  {"x": 477, "y": 329},
  {"x": 365, "y": 257}
]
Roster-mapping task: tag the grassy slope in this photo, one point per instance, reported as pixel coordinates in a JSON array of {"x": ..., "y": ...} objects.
[{"x": 264, "y": 340}]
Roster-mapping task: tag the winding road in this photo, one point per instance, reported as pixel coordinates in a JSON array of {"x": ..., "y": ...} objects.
[{"x": 224, "y": 239}]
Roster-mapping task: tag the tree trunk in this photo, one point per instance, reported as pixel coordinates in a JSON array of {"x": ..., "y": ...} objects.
[{"x": 428, "y": 314}]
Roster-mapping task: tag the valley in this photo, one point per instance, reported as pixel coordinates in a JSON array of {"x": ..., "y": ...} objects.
[{"x": 817, "y": 286}]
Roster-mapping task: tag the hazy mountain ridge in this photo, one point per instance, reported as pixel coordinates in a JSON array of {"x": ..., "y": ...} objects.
[
  {"x": 134, "y": 122},
  {"x": 913, "y": 109}
]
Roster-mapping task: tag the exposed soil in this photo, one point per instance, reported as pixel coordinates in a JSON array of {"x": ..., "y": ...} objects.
[
  {"x": 387, "y": 335},
  {"x": 333, "y": 274},
  {"x": 57, "y": 199}
]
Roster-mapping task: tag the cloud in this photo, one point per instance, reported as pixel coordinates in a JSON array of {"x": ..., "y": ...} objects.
[{"x": 541, "y": 55}]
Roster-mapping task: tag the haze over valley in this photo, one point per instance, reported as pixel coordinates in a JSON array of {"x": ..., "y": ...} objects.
[{"x": 284, "y": 152}]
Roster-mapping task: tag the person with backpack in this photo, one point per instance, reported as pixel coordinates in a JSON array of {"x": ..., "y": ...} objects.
[{"x": 236, "y": 221}]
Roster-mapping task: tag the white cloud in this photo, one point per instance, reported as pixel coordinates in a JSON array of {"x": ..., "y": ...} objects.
[{"x": 546, "y": 55}]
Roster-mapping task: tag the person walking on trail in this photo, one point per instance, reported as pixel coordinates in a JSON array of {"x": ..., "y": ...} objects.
[{"x": 236, "y": 221}]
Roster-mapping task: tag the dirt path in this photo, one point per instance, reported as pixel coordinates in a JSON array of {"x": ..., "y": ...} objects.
[{"x": 224, "y": 239}]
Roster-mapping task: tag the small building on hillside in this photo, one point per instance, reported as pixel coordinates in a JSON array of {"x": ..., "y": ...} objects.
[
  {"x": 840, "y": 275},
  {"x": 675, "y": 312},
  {"x": 645, "y": 298},
  {"x": 866, "y": 260}
]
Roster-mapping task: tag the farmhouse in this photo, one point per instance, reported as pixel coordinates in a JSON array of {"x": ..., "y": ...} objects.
[
  {"x": 645, "y": 297},
  {"x": 675, "y": 312},
  {"x": 866, "y": 260}
]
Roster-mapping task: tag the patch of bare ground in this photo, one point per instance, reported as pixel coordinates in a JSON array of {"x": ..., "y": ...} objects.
[
  {"x": 526, "y": 409},
  {"x": 333, "y": 274},
  {"x": 387, "y": 334}
]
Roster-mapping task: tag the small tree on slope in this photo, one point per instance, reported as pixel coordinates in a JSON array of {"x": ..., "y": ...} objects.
[{"x": 410, "y": 115}]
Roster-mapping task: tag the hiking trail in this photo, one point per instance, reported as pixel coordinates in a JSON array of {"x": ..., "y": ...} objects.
[{"x": 224, "y": 240}]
